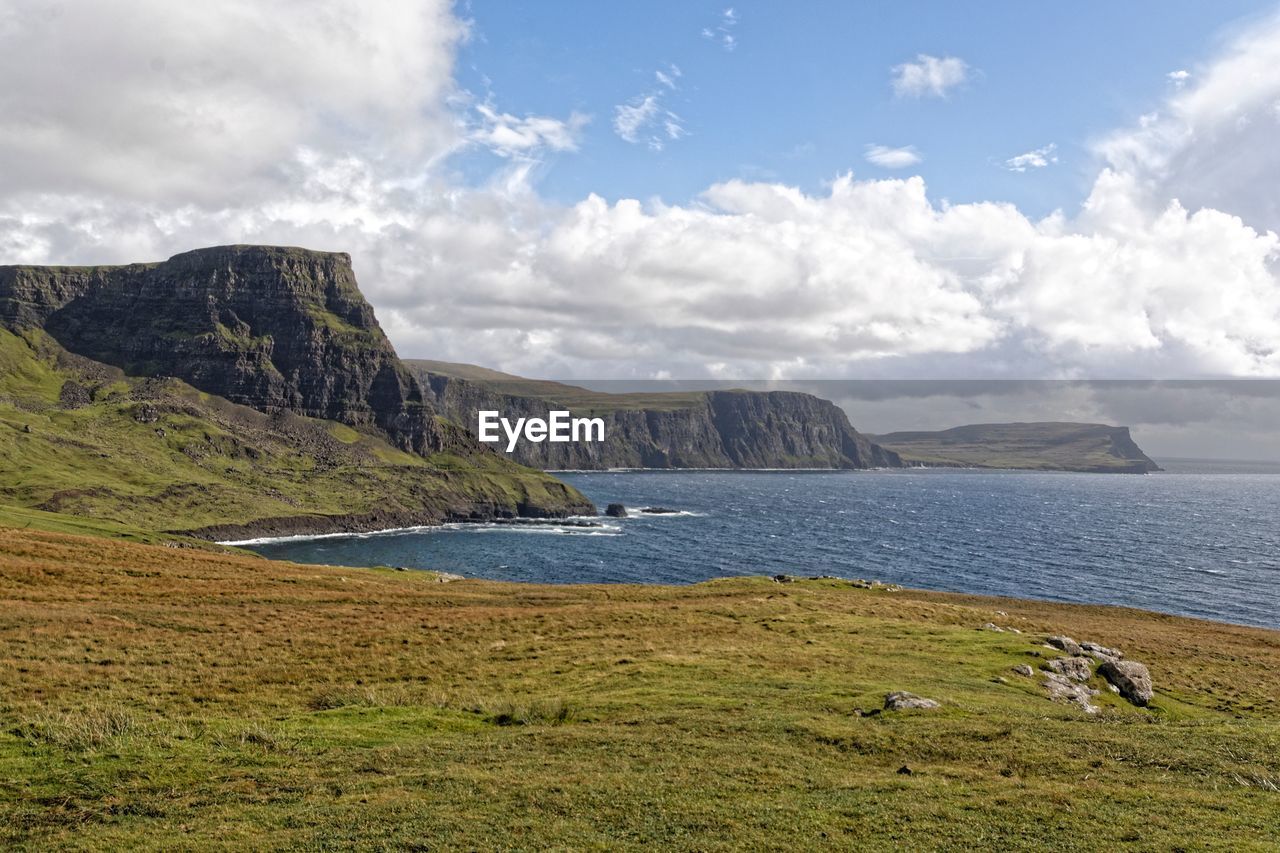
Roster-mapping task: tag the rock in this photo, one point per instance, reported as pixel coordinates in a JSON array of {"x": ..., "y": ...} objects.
[
  {"x": 1131, "y": 678},
  {"x": 1077, "y": 668},
  {"x": 783, "y": 579},
  {"x": 1025, "y": 670},
  {"x": 901, "y": 701},
  {"x": 659, "y": 510},
  {"x": 904, "y": 770},
  {"x": 1066, "y": 644},
  {"x": 991, "y": 626},
  {"x": 1063, "y": 689},
  {"x": 26, "y": 428},
  {"x": 616, "y": 511},
  {"x": 1101, "y": 652}
]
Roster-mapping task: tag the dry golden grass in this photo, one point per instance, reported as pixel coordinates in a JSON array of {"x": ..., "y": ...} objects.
[{"x": 162, "y": 697}]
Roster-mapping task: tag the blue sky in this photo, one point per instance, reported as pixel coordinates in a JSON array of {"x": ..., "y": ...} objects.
[{"x": 806, "y": 87}]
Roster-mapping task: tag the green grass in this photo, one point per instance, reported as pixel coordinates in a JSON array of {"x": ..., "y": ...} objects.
[
  {"x": 158, "y": 698},
  {"x": 159, "y": 455}
]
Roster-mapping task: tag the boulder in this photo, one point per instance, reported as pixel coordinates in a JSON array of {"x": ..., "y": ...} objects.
[
  {"x": 1066, "y": 644},
  {"x": 901, "y": 701},
  {"x": 1063, "y": 689},
  {"x": 1024, "y": 670},
  {"x": 1077, "y": 668},
  {"x": 615, "y": 511},
  {"x": 660, "y": 510},
  {"x": 1131, "y": 678},
  {"x": 1101, "y": 652}
]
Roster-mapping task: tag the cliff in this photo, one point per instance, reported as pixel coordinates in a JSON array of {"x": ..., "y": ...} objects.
[
  {"x": 276, "y": 329},
  {"x": 227, "y": 391},
  {"x": 711, "y": 429},
  {"x": 1052, "y": 446}
]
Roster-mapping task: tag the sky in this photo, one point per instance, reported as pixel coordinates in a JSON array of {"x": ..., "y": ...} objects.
[{"x": 582, "y": 190}]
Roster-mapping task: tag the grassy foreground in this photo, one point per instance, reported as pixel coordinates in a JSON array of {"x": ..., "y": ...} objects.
[{"x": 174, "y": 698}]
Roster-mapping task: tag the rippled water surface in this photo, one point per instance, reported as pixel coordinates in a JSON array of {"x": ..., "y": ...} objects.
[{"x": 1200, "y": 539}]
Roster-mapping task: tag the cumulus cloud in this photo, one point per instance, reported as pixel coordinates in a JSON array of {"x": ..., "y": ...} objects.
[
  {"x": 929, "y": 76},
  {"x": 892, "y": 158},
  {"x": 1036, "y": 159},
  {"x": 140, "y": 135},
  {"x": 1179, "y": 78}
]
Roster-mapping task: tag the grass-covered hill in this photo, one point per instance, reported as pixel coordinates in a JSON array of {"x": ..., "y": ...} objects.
[
  {"x": 1048, "y": 446},
  {"x": 230, "y": 391},
  {"x": 158, "y": 698},
  {"x": 134, "y": 454}
]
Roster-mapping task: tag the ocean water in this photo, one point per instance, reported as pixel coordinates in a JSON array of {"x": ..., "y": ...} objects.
[{"x": 1201, "y": 539}]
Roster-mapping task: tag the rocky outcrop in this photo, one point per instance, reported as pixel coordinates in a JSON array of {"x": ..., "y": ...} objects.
[
  {"x": 1131, "y": 678},
  {"x": 274, "y": 328},
  {"x": 712, "y": 429}
]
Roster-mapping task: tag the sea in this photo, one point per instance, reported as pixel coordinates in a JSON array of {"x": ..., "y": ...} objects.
[{"x": 1201, "y": 538}]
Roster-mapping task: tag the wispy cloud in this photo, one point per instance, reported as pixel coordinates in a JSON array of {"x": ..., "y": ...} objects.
[
  {"x": 669, "y": 77},
  {"x": 722, "y": 33},
  {"x": 892, "y": 158},
  {"x": 929, "y": 76},
  {"x": 512, "y": 136},
  {"x": 646, "y": 120},
  {"x": 1179, "y": 78},
  {"x": 1037, "y": 159}
]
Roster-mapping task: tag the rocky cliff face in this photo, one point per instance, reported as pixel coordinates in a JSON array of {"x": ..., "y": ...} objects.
[
  {"x": 1050, "y": 446},
  {"x": 715, "y": 429},
  {"x": 274, "y": 328}
]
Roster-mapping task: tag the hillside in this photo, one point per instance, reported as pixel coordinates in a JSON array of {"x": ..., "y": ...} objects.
[
  {"x": 698, "y": 429},
  {"x": 158, "y": 698},
  {"x": 231, "y": 391},
  {"x": 1096, "y": 448}
]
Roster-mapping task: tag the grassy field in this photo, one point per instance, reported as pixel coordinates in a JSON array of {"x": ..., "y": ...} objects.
[{"x": 171, "y": 698}]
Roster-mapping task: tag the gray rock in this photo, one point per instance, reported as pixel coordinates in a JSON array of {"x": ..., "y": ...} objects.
[
  {"x": 901, "y": 701},
  {"x": 615, "y": 511},
  {"x": 1063, "y": 689},
  {"x": 991, "y": 626},
  {"x": 1066, "y": 644},
  {"x": 1101, "y": 652},
  {"x": 1025, "y": 670},
  {"x": 1131, "y": 678},
  {"x": 1077, "y": 668}
]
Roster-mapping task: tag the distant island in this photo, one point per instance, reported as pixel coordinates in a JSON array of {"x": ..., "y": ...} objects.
[{"x": 1051, "y": 446}]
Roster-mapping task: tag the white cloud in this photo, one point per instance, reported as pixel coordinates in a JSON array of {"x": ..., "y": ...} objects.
[
  {"x": 646, "y": 119},
  {"x": 1157, "y": 276},
  {"x": 1179, "y": 78},
  {"x": 722, "y": 33},
  {"x": 929, "y": 76},
  {"x": 1036, "y": 159},
  {"x": 669, "y": 77},
  {"x": 892, "y": 158},
  {"x": 510, "y": 136}
]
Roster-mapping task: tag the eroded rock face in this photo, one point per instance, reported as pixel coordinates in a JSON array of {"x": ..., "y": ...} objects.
[
  {"x": 901, "y": 701},
  {"x": 714, "y": 429},
  {"x": 274, "y": 328},
  {"x": 616, "y": 511},
  {"x": 1131, "y": 678}
]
